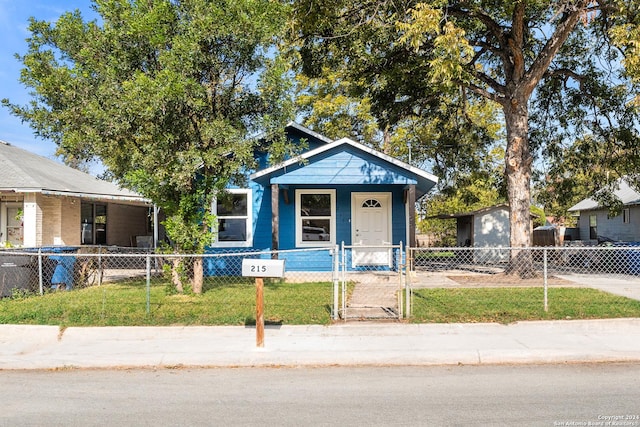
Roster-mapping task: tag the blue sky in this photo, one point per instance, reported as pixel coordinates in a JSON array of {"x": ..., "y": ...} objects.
[{"x": 14, "y": 21}]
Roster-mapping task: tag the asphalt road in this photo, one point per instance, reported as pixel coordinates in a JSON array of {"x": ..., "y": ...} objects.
[{"x": 545, "y": 395}]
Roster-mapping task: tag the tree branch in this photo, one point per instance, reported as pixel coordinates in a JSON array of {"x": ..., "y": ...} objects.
[
  {"x": 516, "y": 41},
  {"x": 494, "y": 28},
  {"x": 486, "y": 94},
  {"x": 566, "y": 73},
  {"x": 560, "y": 35},
  {"x": 492, "y": 83}
]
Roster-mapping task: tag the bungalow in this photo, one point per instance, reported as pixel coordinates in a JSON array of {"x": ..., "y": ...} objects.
[
  {"x": 486, "y": 227},
  {"x": 43, "y": 202},
  {"x": 596, "y": 223},
  {"x": 334, "y": 192},
  {"x": 489, "y": 228}
]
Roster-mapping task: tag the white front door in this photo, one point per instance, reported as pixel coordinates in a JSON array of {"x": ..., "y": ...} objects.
[{"x": 371, "y": 226}]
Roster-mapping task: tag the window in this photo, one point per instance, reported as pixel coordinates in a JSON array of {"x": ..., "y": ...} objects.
[
  {"x": 625, "y": 216},
  {"x": 93, "y": 218},
  {"x": 315, "y": 217},
  {"x": 11, "y": 224},
  {"x": 233, "y": 211},
  {"x": 593, "y": 225}
]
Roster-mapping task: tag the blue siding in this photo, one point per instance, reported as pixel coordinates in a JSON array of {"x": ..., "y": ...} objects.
[
  {"x": 343, "y": 212},
  {"x": 343, "y": 167},
  {"x": 315, "y": 261},
  {"x": 306, "y": 261}
]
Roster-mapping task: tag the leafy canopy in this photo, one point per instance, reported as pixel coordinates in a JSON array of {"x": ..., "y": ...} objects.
[
  {"x": 548, "y": 66},
  {"x": 169, "y": 95}
]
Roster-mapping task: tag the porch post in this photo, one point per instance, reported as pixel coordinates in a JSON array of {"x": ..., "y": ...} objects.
[
  {"x": 156, "y": 234},
  {"x": 32, "y": 231},
  {"x": 411, "y": 207},
  {"x": 275, "y": 210}
]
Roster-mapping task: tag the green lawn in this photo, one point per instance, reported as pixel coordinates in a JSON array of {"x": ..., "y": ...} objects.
[
  {"x": 306, "y": 303},
  {"x": 506, "y": 305},
  {"x": 126, "y": 304}
]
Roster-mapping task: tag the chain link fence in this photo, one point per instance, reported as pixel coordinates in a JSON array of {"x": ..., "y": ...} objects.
[
  {"x": 572, "y": 266},
  {"x": 541, "y": 262},
  {"x": 372, "y": 282},
  {"x": 319, "y": 285},
  {"x": 142, "y": 285}
]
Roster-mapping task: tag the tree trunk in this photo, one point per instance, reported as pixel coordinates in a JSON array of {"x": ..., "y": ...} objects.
[
  {"x": 518, "y": 174},
  {"x": 175, "y": 274},
  {"x": 198, "y": 275}
]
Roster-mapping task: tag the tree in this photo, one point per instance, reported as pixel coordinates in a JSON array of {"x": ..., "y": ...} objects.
[
  {"x": 471, "y": 191},
  {"x": 626, "y": 35},
  {"x": 325, "y": 105},
  {"x": 169, "y": 95},
  {"x": 409, "y": 54}
]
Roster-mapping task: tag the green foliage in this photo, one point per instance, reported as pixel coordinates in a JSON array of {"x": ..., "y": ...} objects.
[
  {"x": 549, "y": 67},
  {"x": 475, "y": 190},
  {"x": 169, "y": 95},
  {"x": 540, "y": 219}
]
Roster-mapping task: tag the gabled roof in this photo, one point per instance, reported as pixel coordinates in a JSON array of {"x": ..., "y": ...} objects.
[
  {"x": 328, "y": 169},
  {"x": 24, "y": 172},
  {"x": 472, "y": 213},
  {"x": 479, "y": 212},
  {"x": 624, "y": 192},
  {"x": 306, "y": 130}
]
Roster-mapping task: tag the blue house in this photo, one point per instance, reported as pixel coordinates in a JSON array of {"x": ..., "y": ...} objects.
[{"x": 334, "y": 192}]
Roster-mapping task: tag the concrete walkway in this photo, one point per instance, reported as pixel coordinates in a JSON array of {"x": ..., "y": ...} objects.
[
  {"x": 341, "y": 344},
  {"x": 375, "y": 296},
  {"x": 344, "y": 344},
  {"x": 626, "y": 286}
]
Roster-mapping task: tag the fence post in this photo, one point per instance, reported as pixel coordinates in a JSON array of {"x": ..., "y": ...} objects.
[
  {"x": 344, "y": 282},
  {"x": 544, "y": 269},
  {"x": 336, "y": 295},
  {"x": 407, "y": 281},
  {"x": 148, "y": 284},
  {"x": 99, "y": 265},
  {"x": 401, "y": 267},
  {"x": 40, "y": 285}
]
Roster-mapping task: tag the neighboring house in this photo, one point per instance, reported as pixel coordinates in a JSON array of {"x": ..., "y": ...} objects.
[
  {"x": 595, "y": 223},
  {"x": 334, "y": 192},
  {"x": 44, "y": 203},
  {"x": 487, "y": 227},
  {"x": 483, "y": 227}
]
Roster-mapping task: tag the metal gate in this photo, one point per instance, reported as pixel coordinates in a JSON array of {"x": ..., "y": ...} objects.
[{"x": 371, "y": 282}]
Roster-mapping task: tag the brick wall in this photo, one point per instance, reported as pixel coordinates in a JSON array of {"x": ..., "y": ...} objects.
[
  {"x": 70, "y": 221},
  {"x": 124, "y": 222},
  {"x": 58, "y": 221}
]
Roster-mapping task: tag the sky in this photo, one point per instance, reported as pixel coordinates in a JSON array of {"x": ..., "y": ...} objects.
[{"x": 14, "y": 23}]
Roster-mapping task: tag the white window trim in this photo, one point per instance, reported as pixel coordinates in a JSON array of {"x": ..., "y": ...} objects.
[
  {"x": 332, "y": 219},
  {"x": 249, "y": 221},
  {"x": 4, "y": 223},
  {"x": 626, "y": 216}
]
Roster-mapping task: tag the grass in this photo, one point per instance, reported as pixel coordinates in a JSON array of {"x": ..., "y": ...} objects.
[
  {"x": 433, "y": 255},
  {"x": 126, "y": 305},
  {"x": 506, "y": 305}
]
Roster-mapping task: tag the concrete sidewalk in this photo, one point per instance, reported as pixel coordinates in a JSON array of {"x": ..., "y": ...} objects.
[{"x": 571, "y": 341}]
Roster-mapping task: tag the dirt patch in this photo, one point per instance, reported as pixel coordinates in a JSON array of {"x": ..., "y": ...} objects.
[{"x": 505, "y": 280}]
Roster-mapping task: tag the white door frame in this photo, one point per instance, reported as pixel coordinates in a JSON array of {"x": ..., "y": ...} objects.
[{"x": 386, "y": 199}]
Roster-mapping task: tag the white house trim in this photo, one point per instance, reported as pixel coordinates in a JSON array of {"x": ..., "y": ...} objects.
[{"x": 345, "y": 141}]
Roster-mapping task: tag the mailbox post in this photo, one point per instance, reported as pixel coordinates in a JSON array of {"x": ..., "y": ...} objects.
[{"x": 261, "y": 268}]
